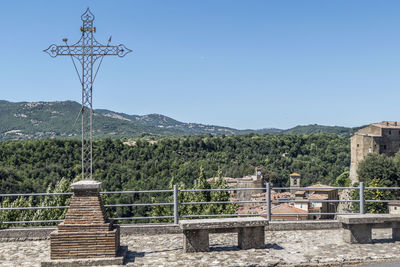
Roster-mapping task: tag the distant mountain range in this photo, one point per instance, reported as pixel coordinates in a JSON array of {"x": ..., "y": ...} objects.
[{"x": 36, "y": 120}]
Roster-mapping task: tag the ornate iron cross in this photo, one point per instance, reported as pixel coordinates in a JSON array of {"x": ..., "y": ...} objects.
[{"x": 88, "y": 52}]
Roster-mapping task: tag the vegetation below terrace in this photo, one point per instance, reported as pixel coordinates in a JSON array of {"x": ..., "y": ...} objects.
[
  {"x": 52, "y": 164},
  {"x": 31, "y": 166}
]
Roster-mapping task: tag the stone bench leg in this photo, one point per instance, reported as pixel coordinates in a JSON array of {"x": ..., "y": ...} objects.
[
  {"x": 357, "y": 233},
  {"x": 195, "y": 241},
  {"x": 251, "y": 237},
  {"x": 396, "y": 234}
]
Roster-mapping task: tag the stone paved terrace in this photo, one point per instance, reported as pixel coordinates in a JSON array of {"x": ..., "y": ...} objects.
[{"x": 283, "y": 248}]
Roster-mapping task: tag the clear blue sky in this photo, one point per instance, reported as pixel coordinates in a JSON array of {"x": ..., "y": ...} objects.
[{"x": 243, "y": 64}]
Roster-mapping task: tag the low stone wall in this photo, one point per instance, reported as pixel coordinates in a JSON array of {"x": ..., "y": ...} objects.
[{"x": 40, "y": 233}]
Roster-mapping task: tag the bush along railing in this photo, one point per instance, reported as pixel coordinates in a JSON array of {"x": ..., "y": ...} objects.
[{"x": 19, "y": 209}]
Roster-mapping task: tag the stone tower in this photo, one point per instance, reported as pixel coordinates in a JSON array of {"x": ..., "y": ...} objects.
[
  {"x": 381, "y": 138},
  {"x": 294, "y": 181}
]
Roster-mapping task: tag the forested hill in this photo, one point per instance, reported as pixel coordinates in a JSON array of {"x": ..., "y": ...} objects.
[
  {"x": 39, "y": 120},
  {"x": 31, "y": 166}
]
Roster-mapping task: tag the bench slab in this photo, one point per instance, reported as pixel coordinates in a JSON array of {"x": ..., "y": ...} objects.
[
  {"x": 222, "y": 223},
  {"x": 368, "y": 218}
]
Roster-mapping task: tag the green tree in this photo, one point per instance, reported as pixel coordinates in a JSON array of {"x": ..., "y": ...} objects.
[
  {"x": 343, "y": 180},
  {"x": 377, "y": 170},
  {"x": 199, "y": 196}
]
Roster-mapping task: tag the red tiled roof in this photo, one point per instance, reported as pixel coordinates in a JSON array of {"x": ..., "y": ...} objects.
[
  {"x": 320, "y": 186},
  {"x": 318, "y": 197},
  {"x": 285, "y": 208}
]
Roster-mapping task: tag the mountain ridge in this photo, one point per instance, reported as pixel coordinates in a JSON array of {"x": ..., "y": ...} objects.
[{"x": 59, "y": 119}]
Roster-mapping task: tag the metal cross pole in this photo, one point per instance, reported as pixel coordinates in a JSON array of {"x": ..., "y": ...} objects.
[{"x": 88, "y": 52}]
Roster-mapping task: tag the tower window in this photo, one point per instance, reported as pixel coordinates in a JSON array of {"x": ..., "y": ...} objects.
[
  {"x": 390, "y": 132},
  {"x": 384, "y": 147}
]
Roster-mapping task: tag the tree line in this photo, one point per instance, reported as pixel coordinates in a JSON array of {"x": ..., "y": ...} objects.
[{"x": 41, "y": 165}]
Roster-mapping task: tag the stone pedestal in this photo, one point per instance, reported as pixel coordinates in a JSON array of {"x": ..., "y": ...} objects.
[
  {"x": 357, "y": 233},
  {"x": 196, "y": 241},
  {"x": 86, "y": 232},
  {"x": 251, "y": 237}
]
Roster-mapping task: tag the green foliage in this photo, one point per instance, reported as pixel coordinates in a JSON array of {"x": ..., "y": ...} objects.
[
  {"x": 343, "y": 180},
  {"x": 39, "y": 165},
  {"x": 200, "y": 196},
  {"x": 378, "y": 170},
  {"x": 315, "y": 128},
  {"x": 37, "y": 214}
]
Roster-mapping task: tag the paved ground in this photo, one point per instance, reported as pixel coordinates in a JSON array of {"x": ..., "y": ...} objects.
[
  {"x": 294, "y": 248},
  {"x": 384, "y": 264}
]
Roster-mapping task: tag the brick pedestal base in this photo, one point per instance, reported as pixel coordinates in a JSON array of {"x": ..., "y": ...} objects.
[{"x": 86, "y": 232}]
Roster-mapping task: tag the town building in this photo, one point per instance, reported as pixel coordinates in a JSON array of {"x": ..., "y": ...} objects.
[
  {"x": 294, "y": 182},
  {"x": 322, "y": 192},
  {"x": 381, "y": 138},
  {"x": 251, "y": 181}
]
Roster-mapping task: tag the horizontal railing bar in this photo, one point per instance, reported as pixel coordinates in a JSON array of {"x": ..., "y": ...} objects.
[
  {"x": 139, "y": 204},
  {"x": 390, "y": 188},
  {"x": 382, "y": 201},
  {"x": 199, "y": 190},
  {"x": 42, "y": 221},
  {"x": 221, "y": 202},
  {"x": 34, "y": 194},
  {"x": 143, "y": 218},
  {"x": 312, "y": 188},
  {"x": 221, "y": 189},
  {"x": 320, "y": 213},
  {"x": 35, "y": 208},
  {"x": 135, "y": 192},
  {"x": 311, "y": 201},
  {"x": 218, "y": 215}
]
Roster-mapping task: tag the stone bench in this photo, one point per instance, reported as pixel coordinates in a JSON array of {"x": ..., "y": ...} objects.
[
  {"x": 250, "y": 232},
  {"x": 358, "y": 228}
]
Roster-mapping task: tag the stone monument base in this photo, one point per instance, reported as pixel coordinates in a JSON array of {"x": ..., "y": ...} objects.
[
  {"x": 93, "y": 244},
  {"x": 118, "y": 260},
  {"x": 86, "y": 233}
]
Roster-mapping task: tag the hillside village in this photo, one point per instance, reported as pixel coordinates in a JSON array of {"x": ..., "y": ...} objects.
[
  {"x": 288, "y": 210},
  {"x": 298, "y": 205}
]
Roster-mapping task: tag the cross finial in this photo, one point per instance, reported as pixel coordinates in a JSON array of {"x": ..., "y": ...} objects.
[{"x": 87, "y": 16}]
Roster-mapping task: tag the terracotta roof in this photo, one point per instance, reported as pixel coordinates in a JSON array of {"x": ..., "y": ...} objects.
[
  {"x": 295, "y": 174},
  {"x": 318, "y": 197},
  {"x": 394, "y": 203},
  {"x": 280, "y": 195},
  {"x": 258, "y": 195},
  {"x": 321, "y": 186},
  {"x": 285, "y": 208},
  {"x": 228, "y": 179}
]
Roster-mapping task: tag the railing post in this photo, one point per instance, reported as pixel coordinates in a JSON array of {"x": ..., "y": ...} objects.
[
  {"x": 268, "y": 200},
  {"x": 362, "y": 199},
  {"x": 176, "y": 205}
]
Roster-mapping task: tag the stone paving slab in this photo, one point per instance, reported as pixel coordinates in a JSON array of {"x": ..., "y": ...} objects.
[{"x": 283, "y": 248}]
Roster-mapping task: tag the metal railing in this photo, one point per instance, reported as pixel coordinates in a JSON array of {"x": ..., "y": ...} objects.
[{"x": 176, "y": 204}]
